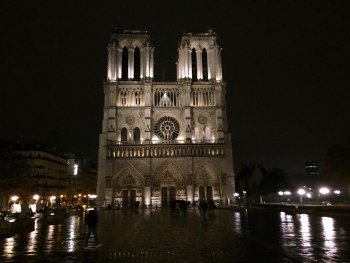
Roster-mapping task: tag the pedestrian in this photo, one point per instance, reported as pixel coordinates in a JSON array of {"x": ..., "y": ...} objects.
[
  {"x": 91, "y": 220},
  {"x": 204, "y": 207}
]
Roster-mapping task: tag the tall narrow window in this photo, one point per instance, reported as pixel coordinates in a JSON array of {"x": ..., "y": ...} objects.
[
  {"x": 125, "y": 64},
  {"x": 137, "y": 134},
  {"x": 205, "y": 64},
  {"x": 194, "y": 65},
  {"x": 124, "y": 135},
  {"x": 137, "y": 64}
]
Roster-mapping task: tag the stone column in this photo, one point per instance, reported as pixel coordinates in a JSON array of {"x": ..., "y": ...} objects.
[
  {"x": 151, "y": 63},
  {"x": 189, "y": 192},
  {"x": 199, "y": 64},
  {"x": 119, "y": 63},
  {"x": 147, "y": 195},
  {"x": 130, "y": 63}
]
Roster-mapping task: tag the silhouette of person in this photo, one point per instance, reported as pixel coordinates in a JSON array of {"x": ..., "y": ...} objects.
[
  {"x": 91, "y": 220},
  {"x": 204, "y": 207}
]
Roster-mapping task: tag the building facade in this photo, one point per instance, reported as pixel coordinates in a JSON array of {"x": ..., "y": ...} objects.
[{"x": 162, "y": 141}]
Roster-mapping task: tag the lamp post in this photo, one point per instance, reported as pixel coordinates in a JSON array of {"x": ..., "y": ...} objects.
[
  {"x": 301, "y": 192},
  {"x": 324, "y": 191}
]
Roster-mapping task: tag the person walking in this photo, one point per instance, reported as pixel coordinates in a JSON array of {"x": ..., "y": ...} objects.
[{"x": 91, "y": 219}]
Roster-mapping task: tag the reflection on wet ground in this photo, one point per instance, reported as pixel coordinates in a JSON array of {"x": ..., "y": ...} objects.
[{"x": 158, "y": 236}]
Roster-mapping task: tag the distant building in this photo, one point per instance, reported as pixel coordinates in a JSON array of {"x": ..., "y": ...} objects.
[
  {"x": 39, "y": 169},
  {"x": 43, "y": 167},
  {"x": 82, "y": 176},
  {"x": 164, "y": 140},
  {"x": 312, "y": 172},
  {"x": 311, "y": 169}
]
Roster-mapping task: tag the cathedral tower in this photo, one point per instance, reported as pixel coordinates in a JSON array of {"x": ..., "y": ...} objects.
[{"x": 163, "y": 141}]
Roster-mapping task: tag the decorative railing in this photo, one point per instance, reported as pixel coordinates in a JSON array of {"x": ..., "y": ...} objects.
[{"x": 165, "y": 150}]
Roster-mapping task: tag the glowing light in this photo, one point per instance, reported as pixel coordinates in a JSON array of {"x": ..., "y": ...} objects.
[
  {"x": 52, "y": 198},
  {"x": 308, "y": 195},
  {"x": 337, "y": 192},
  {"x": 329, "y": 236},
  {"x": 75, "y": 172},
  {"x": 305, "y": 230},
  {"x": 280, "y": 193},
  {"x": 36, "y": 197},
  {"x": 14, "y": 198},
  {"x": 287, "y": 193},
  {"x": 324, "y": 190},
  {"x": 236, "y": 194},
  {"x": 301, "y": 191}
]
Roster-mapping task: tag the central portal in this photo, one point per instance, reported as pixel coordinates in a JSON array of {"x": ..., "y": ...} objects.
[
  {"x": 129, "y": 198},
  {"x": 167, "y": 194}
]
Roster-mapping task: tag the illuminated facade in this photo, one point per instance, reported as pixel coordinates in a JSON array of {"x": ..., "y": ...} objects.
[{"x": 164, "y": 140}]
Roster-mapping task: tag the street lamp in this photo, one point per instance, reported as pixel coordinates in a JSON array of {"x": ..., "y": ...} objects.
[
  {"x": 52, "y": 199},
  {"x": 14, "y": 198},
  {"x": 301, "y": 192},
  {"x": 36, "y": 197},
  {"x": 324, "y": 190}
]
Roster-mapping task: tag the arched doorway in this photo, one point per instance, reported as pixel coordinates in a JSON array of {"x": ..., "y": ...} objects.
[{"x": 128, "y": 198}]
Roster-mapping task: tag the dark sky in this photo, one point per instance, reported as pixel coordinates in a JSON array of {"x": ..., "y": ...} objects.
[{"x": 286, "y": 65}]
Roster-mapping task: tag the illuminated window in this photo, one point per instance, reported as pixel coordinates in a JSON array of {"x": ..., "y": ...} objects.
[{"x": 75, "y": 169}]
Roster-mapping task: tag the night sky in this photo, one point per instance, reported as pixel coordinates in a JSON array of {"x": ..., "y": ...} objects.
[{"x": 286, "y": 65}]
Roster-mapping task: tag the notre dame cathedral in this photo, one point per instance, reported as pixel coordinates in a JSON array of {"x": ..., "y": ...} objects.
[{"x": 162, "y": 141}]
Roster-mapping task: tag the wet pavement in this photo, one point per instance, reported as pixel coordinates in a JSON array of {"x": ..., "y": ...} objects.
[{"x": 160, "y": 236}]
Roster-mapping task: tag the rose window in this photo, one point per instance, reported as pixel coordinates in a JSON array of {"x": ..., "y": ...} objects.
[{"x": 167, "y": 128}]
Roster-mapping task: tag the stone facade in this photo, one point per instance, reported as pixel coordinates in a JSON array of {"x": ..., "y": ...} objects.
[{"x": 164, "y": 140}]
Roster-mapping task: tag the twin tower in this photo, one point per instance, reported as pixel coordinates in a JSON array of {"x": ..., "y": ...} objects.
[{"x": 163, "y": 141}]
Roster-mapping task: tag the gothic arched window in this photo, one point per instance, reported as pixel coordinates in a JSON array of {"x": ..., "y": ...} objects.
[
  {"x": 125, "y": 64},
  {"x": 194, "y": 64},
  {"x": 137, "y": 64},
  {"x": 205, "y": 64},
  {"x": 124, "y": 135},
  {"x": 137, "y": 134}
]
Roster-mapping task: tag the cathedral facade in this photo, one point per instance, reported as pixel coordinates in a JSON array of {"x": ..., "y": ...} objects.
[{"x": 163, "y": 141}]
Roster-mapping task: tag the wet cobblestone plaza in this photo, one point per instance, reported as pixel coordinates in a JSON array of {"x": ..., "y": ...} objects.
[{"x": 161, "y": 236}]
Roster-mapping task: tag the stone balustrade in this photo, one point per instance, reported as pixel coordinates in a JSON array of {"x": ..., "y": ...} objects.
[{"x": 165, "y": 150}]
